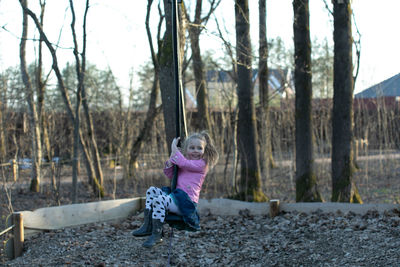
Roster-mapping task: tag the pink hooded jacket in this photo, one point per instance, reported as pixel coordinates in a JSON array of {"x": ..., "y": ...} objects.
[{"x": 191, "y": 174}]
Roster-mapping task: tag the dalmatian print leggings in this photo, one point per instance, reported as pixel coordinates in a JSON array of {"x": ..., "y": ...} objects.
[{"x": 160, "y": 202}]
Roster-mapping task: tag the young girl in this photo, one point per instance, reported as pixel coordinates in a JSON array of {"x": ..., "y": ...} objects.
[{"x": 199, "y": 155}]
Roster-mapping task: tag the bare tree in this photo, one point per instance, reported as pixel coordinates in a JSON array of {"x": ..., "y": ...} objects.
[
  {"x": 343, "y": 186},
  {"x": 3, "y": 127},
  {"x": 36, "y": 153},
  {"x": 265, "y": 131},
  {"x": 152, "y": 110},
  {"x": 43, "y": 119},
  {"x": 195, "y": 28},
  {"x": 306, "y": 179},
  {"x": 80, "y": 70},
  {"x": 250, "y": 181},
  {"x": 229, "y": 96},
  {"x": 65, "y": 96}
]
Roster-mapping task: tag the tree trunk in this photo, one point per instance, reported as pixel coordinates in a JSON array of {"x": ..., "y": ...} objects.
[
  {"x": 203, "y": 122},
  {"x": 343, "y": 186},
  {"x": 3, "y": 105},
  {"x": 166, "y": 62},
  {"x": 265, "y": 135},
  {"x": 36, "y": 153},
  {"x": 41, "y": 88},
  {"x": 152, "y": 110},
  {"x": 306, "y": 179},
  {"x": 97, "y": 183},
  {"x": 64, "y": 93},
  {"x": 250, "y": 181}
]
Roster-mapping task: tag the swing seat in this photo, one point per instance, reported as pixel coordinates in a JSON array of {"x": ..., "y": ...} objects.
[
  {"x": 172, "y": 217},
  {"x": 190, "y": 219},
  {"x": 176, "y": 221}
]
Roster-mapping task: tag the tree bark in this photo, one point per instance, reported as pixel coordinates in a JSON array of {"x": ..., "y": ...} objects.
[
  {"x": 265, "y": 133},
  {"x": 36, "y": 153},
  {"x": 306, "y": 179},
  {"x": 343, "y": 186},
  {"x": 195, "y": 28},
  {"x": 250, "y": 181},
  {"x": 3, "y": 108},
  {"x": 168, "y": 92}
]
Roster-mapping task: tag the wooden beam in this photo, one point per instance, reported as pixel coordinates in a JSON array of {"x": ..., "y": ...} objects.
[
  {"x": 15, "y": 169},
  {"x": 53, "y": 218},
  {"x": 18, "y": 220},
  {"x": 273, "y": 207}
]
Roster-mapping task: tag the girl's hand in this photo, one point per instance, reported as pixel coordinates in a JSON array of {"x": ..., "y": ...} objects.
[
  {"x": 168, "y": 164},
  {"x": 174, "y": 145}
]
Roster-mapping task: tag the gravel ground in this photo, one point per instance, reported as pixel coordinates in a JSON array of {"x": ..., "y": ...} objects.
[{"x": 291, "y": 239}]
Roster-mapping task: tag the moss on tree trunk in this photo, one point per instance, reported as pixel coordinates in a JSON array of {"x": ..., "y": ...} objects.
[
  {"x": 344, "y": 189},
  {"x": 307, "y": 190},
  {"x": 250, "y": 189}
]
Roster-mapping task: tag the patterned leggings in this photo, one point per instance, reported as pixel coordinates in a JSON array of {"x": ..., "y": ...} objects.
[{"x": 160, "y": 202}]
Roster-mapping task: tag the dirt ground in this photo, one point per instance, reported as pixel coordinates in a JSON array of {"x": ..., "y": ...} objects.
[{"x": 377, "y": 180}]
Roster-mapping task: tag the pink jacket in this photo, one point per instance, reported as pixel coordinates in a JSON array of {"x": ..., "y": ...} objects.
[{"x": 191, "y": 174}]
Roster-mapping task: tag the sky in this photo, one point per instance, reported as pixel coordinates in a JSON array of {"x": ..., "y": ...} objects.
[{"x": 117, "y": 38}]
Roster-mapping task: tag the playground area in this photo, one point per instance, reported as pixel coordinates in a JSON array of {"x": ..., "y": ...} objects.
[{"x": 290, "y": 239}]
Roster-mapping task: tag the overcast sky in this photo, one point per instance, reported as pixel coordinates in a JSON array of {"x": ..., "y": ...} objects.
[{"x": 117, "y": 37}]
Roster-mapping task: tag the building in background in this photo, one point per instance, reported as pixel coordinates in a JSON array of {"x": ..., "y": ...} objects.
[{"x": 221, "y": 87}]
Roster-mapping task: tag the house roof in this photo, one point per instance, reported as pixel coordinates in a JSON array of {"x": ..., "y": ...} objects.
[
  {"x": 389, "y": 87},
  {"x": 277, "y": 78}
]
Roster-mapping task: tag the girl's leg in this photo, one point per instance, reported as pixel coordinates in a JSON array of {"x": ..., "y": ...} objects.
[
  {"x": 173, "y": 207},
  {"x": 151, "y": 194},
  {"x": 146, "y": 228},
  {"x": 161, "y": 205}
]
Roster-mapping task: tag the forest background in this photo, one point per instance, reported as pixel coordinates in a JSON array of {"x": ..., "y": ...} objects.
[{"x": 121, "y": 135}]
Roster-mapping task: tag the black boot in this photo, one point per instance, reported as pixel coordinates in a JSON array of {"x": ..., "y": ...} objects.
[
  {"x": 156, "y": 235},
  {"x": 145, "y": 229}
]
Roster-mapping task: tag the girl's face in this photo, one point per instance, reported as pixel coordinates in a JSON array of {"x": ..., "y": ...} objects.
[{"x": 195, "y": 149}]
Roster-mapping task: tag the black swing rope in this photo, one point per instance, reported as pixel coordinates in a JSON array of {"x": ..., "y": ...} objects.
[
  {"x": 179, "y": 108},
  {"x": 179, "y": 112}
]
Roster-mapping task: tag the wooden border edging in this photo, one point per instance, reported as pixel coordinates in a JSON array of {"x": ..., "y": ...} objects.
[
  {"x": 59, "y": 217},
  {"x": 19, "y": 238},
  {"x": 52, "y": 218},
  {"x": 228, "y": 207},
  {"x": 327, "y": 207}
]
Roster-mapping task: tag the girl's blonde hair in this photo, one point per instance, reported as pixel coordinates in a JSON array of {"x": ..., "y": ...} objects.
[{"x": 210, "y": 152}]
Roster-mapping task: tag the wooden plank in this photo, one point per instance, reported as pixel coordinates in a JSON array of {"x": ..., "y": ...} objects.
[
  {"x": 326, "y": 207},
  {"x": 229, "y": 207},
  {"x": 53, "y": 218},
  {"x": 9, "y": 248},
  {"x": 19, "y": 238},
  {"x": 273, "y": 207}
]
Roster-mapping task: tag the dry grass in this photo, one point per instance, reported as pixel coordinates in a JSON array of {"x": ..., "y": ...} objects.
[{"x": 377, "y": 180}]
